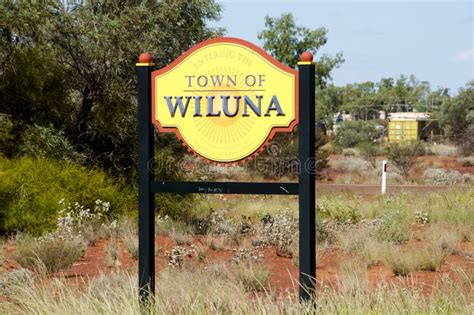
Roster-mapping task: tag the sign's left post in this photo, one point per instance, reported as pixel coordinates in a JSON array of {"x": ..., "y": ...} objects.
[{"x": 146, "y": 200}]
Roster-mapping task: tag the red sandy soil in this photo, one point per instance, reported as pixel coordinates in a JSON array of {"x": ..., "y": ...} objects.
[
  {"x": 284, "y": 273},
  {"x": 422, "y": 163}
]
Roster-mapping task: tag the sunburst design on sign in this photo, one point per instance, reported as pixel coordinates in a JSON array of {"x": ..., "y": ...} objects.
[{"x": 225, "y": 98}]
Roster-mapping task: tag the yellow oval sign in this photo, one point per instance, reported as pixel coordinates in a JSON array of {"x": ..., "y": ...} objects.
[{"x": 225, "y": 98}]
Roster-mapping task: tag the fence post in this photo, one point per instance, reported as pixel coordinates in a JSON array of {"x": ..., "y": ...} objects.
[{"x": 384, "y": 176}]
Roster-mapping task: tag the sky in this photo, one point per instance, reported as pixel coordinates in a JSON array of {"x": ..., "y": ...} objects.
[{"x": 433, "y": 40}]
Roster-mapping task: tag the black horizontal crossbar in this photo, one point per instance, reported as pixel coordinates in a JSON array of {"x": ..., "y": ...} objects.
[{"x": 243, "y": 188}]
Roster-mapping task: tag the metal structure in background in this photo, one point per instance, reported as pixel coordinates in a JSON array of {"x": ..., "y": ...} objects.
[{"x": 305, "y": 188}]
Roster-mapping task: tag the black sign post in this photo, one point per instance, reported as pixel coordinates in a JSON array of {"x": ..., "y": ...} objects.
[
  {"x": 307, "y": 180},
  {"x": 146, "y": 199},
  {"x": 305, "y": 188}
]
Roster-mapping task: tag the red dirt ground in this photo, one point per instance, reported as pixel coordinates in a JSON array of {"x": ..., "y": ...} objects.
[
  {"x": 284, "y": 273},
  {"x": 422, "y": 163}
]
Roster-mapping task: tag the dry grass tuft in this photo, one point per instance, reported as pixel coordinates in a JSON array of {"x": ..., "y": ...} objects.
[
  {"x": 112, "y": 257},
  {"x": 181, "y": 238},
  {"x": 130, "y": 242},
  {"x": 203, "y": 292},
  {"x": 353, "y": 277},
  {"x": 358, "y": 242},
  {"x": 216, "y": 243},
  {"x": 254, "y": 278},
  {"x": 50, "y": 255},
  {"x": 403, "y": 260}
]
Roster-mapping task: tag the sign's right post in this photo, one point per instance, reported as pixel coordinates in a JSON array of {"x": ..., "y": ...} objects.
[{"x": 307, "y": 169}]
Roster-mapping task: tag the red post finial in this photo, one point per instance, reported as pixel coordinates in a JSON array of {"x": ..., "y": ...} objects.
[
  {"x": 306, "y": 57},
  {"x": 145, "y": 58}
]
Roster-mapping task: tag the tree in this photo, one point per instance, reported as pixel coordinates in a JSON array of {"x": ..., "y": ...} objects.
[
  {"x": 6, "y": 135},
  {"x": 352, "y": 133},
  {"x": 286, "y": 41},
  {"x": 365, "y": 100},
  {"x": 360, "y": 100},
  {"x": 369, "y": 151},
  {"x": 86, "y": 55},
  {"x": 457, "y": 118},
  {"x": 34, "y": 88},
  {"x": 328, "y": 102},
  {"x": 403, "y": 155}
]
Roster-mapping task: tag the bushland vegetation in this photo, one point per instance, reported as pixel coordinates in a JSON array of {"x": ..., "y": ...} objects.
[
  {"x": 68, "y": 172},
  {"x": 386, "y": 233}
]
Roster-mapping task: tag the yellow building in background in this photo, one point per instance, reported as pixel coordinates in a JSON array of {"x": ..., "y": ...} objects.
[{"x": 406, "y": 126}]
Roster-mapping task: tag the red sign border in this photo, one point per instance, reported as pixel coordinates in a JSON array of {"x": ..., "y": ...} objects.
[{"x": 256, "y": 49}]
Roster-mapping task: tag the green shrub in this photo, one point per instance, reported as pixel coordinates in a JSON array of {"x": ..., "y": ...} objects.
[
  {"x": 457, "y": 119},
  {"x": 11, "y": 280},
  {"x": 422, "y": 217},
  {"x": 351, "y": 133},
  {"x": 177, "y": 255},
  {"x": 280, "y": 231},
  {"x": 353, "y": 165},
  {"x": 46, "y": 142},
  {"x": 78, "y": 222},
  {"x": 467, "y": 161},
  {"x": 466, "y": 147},
  {"x": 324, "y": 232},
  {"x": 452, "y": 206},
  {"x": 440, "y": 176},
  {"x": 403, "y": 155},
  {"x": 350, "y": 152},
  {"x": 394, "y": 227},
  {"x": 2, "y": 254},
  {"x": 51, "y": 254},
  {"x": 369, "y": 151},
  {"x": 166, "y": 225},
  {"x": 338, "y": 209},
  {"x": 179, "y": 207},
  {"x": 6, "y": 135},
  {"x": 30, "y": 190},
  {"x": 443, "y": 149}
]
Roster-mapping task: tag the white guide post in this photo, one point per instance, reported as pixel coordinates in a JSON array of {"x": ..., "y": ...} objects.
[{"x": 384, "y": 176}]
